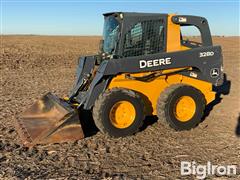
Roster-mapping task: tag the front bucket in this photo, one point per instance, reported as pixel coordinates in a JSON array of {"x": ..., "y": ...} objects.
[{"x": 49, "y": 120}]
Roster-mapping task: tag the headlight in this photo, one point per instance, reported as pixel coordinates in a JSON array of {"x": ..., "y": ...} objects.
[{"x": 221, "y": 68}]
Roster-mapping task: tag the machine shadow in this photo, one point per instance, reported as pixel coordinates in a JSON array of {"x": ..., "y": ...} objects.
[
  {"x": 148, "y": 121},
  {"x": 238, "y": 126},
  {"x": 88, "y": 126},
  {"x": 224, "y": 89}
]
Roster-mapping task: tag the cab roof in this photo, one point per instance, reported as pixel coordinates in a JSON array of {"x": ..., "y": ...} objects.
[{"x": 133, "y": 14}]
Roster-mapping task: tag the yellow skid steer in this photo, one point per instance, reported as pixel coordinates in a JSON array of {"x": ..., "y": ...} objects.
[{"x": 144, "y": 67}]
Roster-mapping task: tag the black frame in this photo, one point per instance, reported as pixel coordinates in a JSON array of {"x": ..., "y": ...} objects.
[{"x": 200, "y": 22}]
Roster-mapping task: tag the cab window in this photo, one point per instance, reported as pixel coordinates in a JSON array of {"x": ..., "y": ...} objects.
[
  {"x": 190, "y": 36},
  {"x": 145, "y": 37}
]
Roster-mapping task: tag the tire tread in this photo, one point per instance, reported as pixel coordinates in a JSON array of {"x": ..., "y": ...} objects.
[
  {"x": 163, "y": 100},
  {"x": 99, "y": 103}
]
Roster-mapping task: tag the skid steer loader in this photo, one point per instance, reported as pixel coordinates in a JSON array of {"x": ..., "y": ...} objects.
[{"x": 144, "y": 68}]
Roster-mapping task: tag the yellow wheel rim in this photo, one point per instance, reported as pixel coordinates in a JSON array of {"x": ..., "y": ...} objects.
[
  {"x": 122, "y": 114},
  {"x": 185, "y": 108}
]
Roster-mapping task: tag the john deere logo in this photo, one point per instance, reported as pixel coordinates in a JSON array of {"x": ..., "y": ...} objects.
[{"x": 214, "y": 72}]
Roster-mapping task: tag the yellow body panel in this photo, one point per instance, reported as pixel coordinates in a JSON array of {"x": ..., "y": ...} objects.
[
  {"x": 151, "y": 91},
  {"x": 173, "y": 35}
]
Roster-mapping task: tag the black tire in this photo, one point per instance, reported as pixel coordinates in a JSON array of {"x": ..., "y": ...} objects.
[
  {"x": 106, "y": 101},
  {"x": 167, "y": 103}
]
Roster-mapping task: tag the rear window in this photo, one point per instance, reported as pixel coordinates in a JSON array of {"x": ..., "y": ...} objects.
[{"x": 190, "y": 36}]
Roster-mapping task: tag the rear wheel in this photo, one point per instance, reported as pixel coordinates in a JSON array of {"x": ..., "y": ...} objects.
[
  {"x": 181, "y": 106},
  {"x": 119, "y": 112}
]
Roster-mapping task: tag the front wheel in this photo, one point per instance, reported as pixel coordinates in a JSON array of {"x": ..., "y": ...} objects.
[{"x": 119, "y": 112}]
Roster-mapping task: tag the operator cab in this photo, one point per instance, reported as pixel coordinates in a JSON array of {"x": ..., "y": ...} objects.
[{"x": 137, "y": 34}]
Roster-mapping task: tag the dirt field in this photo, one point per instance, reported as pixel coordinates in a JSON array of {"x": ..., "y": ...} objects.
[{"x": 34, "y": 65}]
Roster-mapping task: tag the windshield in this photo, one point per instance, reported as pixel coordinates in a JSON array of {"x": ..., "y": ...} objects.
[{"x": 110, "y": 34}]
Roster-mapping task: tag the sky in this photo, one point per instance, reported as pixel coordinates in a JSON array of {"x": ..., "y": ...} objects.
[{"x": 82, "y": 17}]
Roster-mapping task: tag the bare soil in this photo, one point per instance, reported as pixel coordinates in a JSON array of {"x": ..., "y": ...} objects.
[{"x": 34, "y": 65}]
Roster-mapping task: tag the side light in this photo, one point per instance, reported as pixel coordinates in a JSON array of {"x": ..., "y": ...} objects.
[{"x": 121, "y": 15}]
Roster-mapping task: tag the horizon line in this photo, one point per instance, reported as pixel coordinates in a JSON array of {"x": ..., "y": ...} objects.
[{"x": 84, "y": 35}]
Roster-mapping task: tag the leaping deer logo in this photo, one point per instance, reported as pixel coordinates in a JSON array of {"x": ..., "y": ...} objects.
[{"x": 214, "y": 72}]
